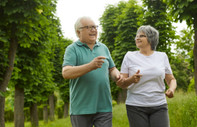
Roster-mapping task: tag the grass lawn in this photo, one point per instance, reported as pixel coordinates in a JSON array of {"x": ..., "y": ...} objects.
[
  {"x": 119, "y": 119},
  {"x": 182, "y": 112}
]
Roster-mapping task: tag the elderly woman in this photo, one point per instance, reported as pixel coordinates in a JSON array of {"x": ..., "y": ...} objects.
[{"x": 144, "y": 72}]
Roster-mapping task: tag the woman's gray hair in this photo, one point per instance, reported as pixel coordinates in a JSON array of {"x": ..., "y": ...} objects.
[
  {"x": 78, "y": 23},
  {"x": 152, "y": 35}
]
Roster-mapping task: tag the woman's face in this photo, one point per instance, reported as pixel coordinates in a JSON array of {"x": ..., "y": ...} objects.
[{"x": 141, "y": 41}]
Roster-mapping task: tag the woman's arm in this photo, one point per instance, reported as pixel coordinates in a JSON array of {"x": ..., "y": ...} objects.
[
  {"x": 127, "y": 81},
  {"x": 171, "y": 82}
]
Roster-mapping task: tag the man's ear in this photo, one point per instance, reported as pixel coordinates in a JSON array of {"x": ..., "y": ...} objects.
[{"x": 78, "y": 32}]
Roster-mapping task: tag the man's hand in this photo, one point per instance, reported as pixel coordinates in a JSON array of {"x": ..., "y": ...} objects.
[
  {"x": 97, "y": 62},
  {"x": 120, "y": 81}
]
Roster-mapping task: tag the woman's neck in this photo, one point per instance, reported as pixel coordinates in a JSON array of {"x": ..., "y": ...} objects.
[{"x": 146, "y": 52}]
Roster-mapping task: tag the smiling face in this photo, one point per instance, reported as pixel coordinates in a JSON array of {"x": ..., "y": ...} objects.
[
  {"x": 142, "y": 41},
  {"x": 87, "y": 34}
]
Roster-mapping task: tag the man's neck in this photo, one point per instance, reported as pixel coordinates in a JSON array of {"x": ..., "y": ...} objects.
[{"x": 90, "y": 44}]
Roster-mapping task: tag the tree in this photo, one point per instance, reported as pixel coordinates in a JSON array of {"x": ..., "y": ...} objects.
[
  {"x": 119, "y": 24},
  {"x": 17, "y": 25},
  {"x": 108, "y": 35},
  {"x": 182, "y": 59},
  {"x": 107, "y": 22},
  {"x": 156, "y": 16},
  {"x": 31, "y": 25},
  {"x": 127, "y": 24},
  {"x": 62, "y": 84},
  {"x": 186, "y": 10},
  {"x": 32, "y": 74}
]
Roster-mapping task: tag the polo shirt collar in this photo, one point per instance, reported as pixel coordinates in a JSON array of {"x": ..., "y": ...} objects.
[{"x": 79, "y": 43}]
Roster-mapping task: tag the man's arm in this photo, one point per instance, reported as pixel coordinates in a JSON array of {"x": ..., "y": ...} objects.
[
  {"x": 72, "y": 72},
  {"x": 127, "y": 81},
  {"x": 114, "y": 73}
]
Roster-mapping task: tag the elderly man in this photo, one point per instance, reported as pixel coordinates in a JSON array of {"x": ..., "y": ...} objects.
[{"x": 88, "y": 64}]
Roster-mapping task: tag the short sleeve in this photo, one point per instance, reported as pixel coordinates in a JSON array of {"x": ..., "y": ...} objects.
[
  {"x": 107, "y": 52},
  {"x": 124, "y": 66},
  {"x": 168, "y": 69},
  {"x": 69, "y": 56}
]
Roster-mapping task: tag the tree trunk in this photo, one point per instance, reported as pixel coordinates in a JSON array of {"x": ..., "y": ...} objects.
[
  {"x": 19, "y": 107},
  {"x": 34, "y": 115},
  {"x": 2, "y": 105},
  {"x": 195, "y": 52},
  {"x": 6, "y": 78},
  {"x": 122, "y": 96},
  {"x": 52, "y": 107},
  {"x": 45, "y": 114},
  {"x": 66, "y": 109}
]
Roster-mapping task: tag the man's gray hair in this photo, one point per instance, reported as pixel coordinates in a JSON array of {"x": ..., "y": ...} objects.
[
  {"x": 78, "y": 23},
  {"x": 152, "y": 35}
]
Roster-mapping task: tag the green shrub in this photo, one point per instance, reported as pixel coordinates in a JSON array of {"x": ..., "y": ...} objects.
[
  {"x": 60, "y": 109},
  {"x": 191, "y": 86},
  {"x": 9, "y": 115}
]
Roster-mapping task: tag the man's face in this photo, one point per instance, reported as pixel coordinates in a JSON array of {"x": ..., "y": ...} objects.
[{"x": 88, "y": 31}]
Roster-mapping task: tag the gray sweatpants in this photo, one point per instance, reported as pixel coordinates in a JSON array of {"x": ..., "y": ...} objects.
[
  {"x": 148, "y": 116},
  {"x": 98, "y": 120}
]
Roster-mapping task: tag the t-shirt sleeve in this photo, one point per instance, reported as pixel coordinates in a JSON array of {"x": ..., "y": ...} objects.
[
  {"x": 110, "y": 60},
  {"x": 168, "y": 69},
  {"x": 69, "y": 56},
  {"x": 124, "y": 66}
]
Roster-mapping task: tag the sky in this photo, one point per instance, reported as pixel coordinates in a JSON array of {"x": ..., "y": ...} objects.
[{"x": 69, "y": 11}]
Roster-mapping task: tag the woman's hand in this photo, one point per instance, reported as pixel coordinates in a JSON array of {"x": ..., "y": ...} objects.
[{"x": 170, "y": 93}]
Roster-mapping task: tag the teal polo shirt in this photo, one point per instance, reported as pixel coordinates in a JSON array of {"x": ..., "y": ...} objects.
[{"x": 91, "y": 92}]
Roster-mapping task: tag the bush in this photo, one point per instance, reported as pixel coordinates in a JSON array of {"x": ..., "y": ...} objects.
[
  {"x": 9, "y": 115},
  {"x": 191, "y": 86},
  {"x": 60, "y": 109}
]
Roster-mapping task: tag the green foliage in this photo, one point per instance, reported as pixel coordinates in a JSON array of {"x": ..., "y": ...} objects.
[
  {"x": 119, "y": 24},
  {"x": 186, "y": 10},
  {"x": 184, "y": 46},
  {"x": 9, "y": 108},
  {"x": 182, "y": 75},
  {"x": 183, "y": 59},
  {"x": 34, "y": 26},
  {"x": 191, "y": 87},
  {"x": 9, "y": 115},
  {"x": 183, "y": 10},
  {"x": 186, "y": 42},
  {"x": 59, "y": 108},
  {"x": 127, "y": 24},
  {"x": 62, "y": 84},
  {"x": 109, "y": 27},
  {"x": 156, "y": 16}
]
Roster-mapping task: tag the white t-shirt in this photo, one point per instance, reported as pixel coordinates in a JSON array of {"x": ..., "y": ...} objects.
[{"x": 150, "y": 90}]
